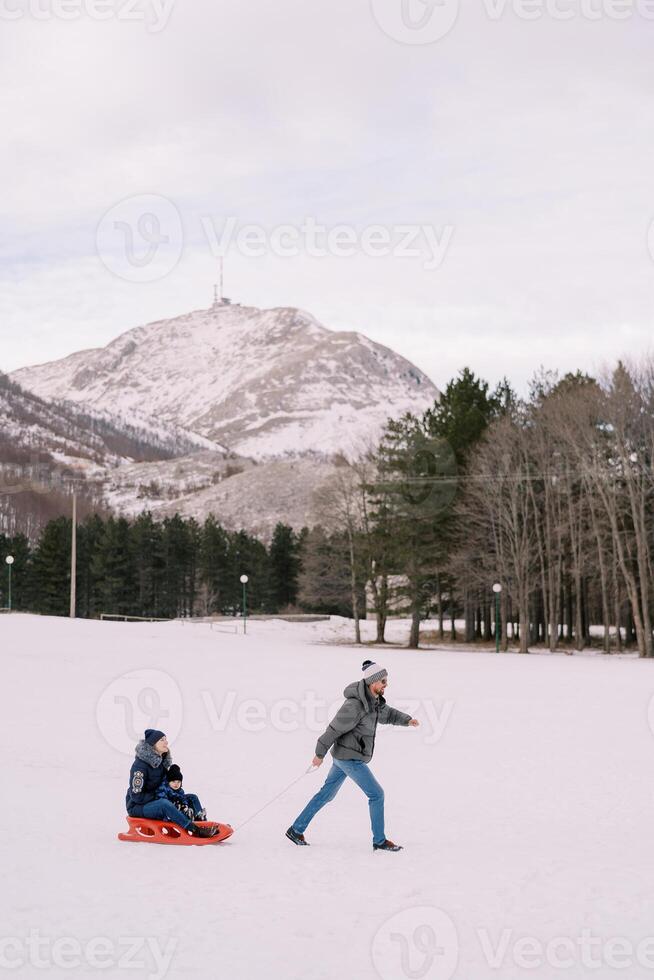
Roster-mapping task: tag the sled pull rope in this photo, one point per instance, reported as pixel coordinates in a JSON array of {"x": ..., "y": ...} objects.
[{"x": 275, "y": 798}]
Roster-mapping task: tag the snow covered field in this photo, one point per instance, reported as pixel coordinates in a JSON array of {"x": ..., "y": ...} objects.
[{"x": 524, "y": 801}]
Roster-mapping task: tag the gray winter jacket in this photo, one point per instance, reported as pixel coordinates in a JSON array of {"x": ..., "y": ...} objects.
[{"x": 351, "y": 733}]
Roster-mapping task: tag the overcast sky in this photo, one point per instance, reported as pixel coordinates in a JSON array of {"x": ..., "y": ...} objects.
[{"x": 517, "y": 153}]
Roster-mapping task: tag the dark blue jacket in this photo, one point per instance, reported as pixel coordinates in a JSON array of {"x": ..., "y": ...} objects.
[
  {"x": 165, "y": 792},
  {"x": 145, "y": 777}
]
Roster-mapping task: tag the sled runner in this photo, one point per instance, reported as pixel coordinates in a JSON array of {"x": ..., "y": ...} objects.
[{"x": 164, "y": 832}]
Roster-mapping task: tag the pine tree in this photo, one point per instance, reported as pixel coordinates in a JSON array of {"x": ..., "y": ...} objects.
[
  {"x": 50, "y": 571},
  {"x": 89, "y": 534},
  {"x": 147, "y": 548},
  {"x": 284, "y": 567},
  {"x": 215, "y": 566},
  {"x": 416, "y": 481},
  {"x": 457, "y": 422},
  {"x": 177, "y": 550},
  {"x": 464, "y": 411},
  {"x": 113, "y": 568},
  {"x": 250, "y": 557}
]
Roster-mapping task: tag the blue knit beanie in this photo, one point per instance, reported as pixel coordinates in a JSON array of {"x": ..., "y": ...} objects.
[{"x": 152, "y": 736}]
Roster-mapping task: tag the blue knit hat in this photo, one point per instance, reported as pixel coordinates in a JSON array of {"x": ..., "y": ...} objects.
[{"x": 152, "y": 736}]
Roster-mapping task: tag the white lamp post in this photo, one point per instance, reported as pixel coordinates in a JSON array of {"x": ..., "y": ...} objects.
[
  {"x": 10, "y": 561},
  {"x": 244, "y": 582},
  {"x": 497, "y": 588}
]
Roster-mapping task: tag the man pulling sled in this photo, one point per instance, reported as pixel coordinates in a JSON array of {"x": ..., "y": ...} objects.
[{"x": 351, "y": 738}]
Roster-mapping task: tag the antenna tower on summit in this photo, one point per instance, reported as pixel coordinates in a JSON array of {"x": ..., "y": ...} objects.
[{"x": 219, "y": 298}]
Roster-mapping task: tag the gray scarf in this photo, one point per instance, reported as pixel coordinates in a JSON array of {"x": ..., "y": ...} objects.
[{"x": 146, "y": 753}]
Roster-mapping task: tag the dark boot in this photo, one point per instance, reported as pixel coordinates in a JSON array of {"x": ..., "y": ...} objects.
[
  {"x": 296, "y": 838},
  {"x": 198, "y": 831},
  {"x": 388, "y": 845}
]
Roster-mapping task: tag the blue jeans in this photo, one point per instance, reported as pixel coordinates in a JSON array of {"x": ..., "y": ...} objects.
[
  {"x": 165, "y": 810},
  {"x": 362, "y": 776},
  {"x": 193, "y": 801}
]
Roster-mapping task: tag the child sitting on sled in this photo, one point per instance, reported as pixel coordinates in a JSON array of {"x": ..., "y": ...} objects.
[
  {"x": 148, "y": 772},
  {"x": 186, "y": 803}
]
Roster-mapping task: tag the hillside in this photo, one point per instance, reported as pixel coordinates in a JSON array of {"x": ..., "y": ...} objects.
[{"x": 261, "y": 382}]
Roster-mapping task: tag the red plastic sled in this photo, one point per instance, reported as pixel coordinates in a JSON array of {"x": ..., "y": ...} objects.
[{"x": 163, "y": 832}]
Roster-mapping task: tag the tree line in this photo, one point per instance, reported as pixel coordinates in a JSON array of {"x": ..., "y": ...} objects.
[
  {"x": 551, "y": 497},
  {"x": 164, "y": 569}
]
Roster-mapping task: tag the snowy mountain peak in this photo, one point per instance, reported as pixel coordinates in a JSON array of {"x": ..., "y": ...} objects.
[{"x": 263, "y": 382}]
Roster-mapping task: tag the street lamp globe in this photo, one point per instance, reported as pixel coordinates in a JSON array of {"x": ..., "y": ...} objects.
[
  {"x": 497, "y": 588},
  {"x": 9, "y": 559},
  {"x": 244, "y": 579}
]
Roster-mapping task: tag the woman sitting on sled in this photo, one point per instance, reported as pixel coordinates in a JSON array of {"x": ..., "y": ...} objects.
[{"x": 148, "y": 772}]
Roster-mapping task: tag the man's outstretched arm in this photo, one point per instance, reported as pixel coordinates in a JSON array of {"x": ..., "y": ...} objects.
[{"x": 392, "y": 716}]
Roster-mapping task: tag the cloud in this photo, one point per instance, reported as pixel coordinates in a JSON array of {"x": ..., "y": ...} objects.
[{"x": 531, "y": 139}]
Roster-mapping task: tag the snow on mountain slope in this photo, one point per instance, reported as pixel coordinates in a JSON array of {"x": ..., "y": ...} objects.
[
  {"x": 77, "y": 434},
  {"x": 262, "y": 382},
  {"x": 133, "y": 487},
  {"x": 254, "y": 499},
  {"x": 523, "y": 801},
  {"x": 30, "y": 426}
]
